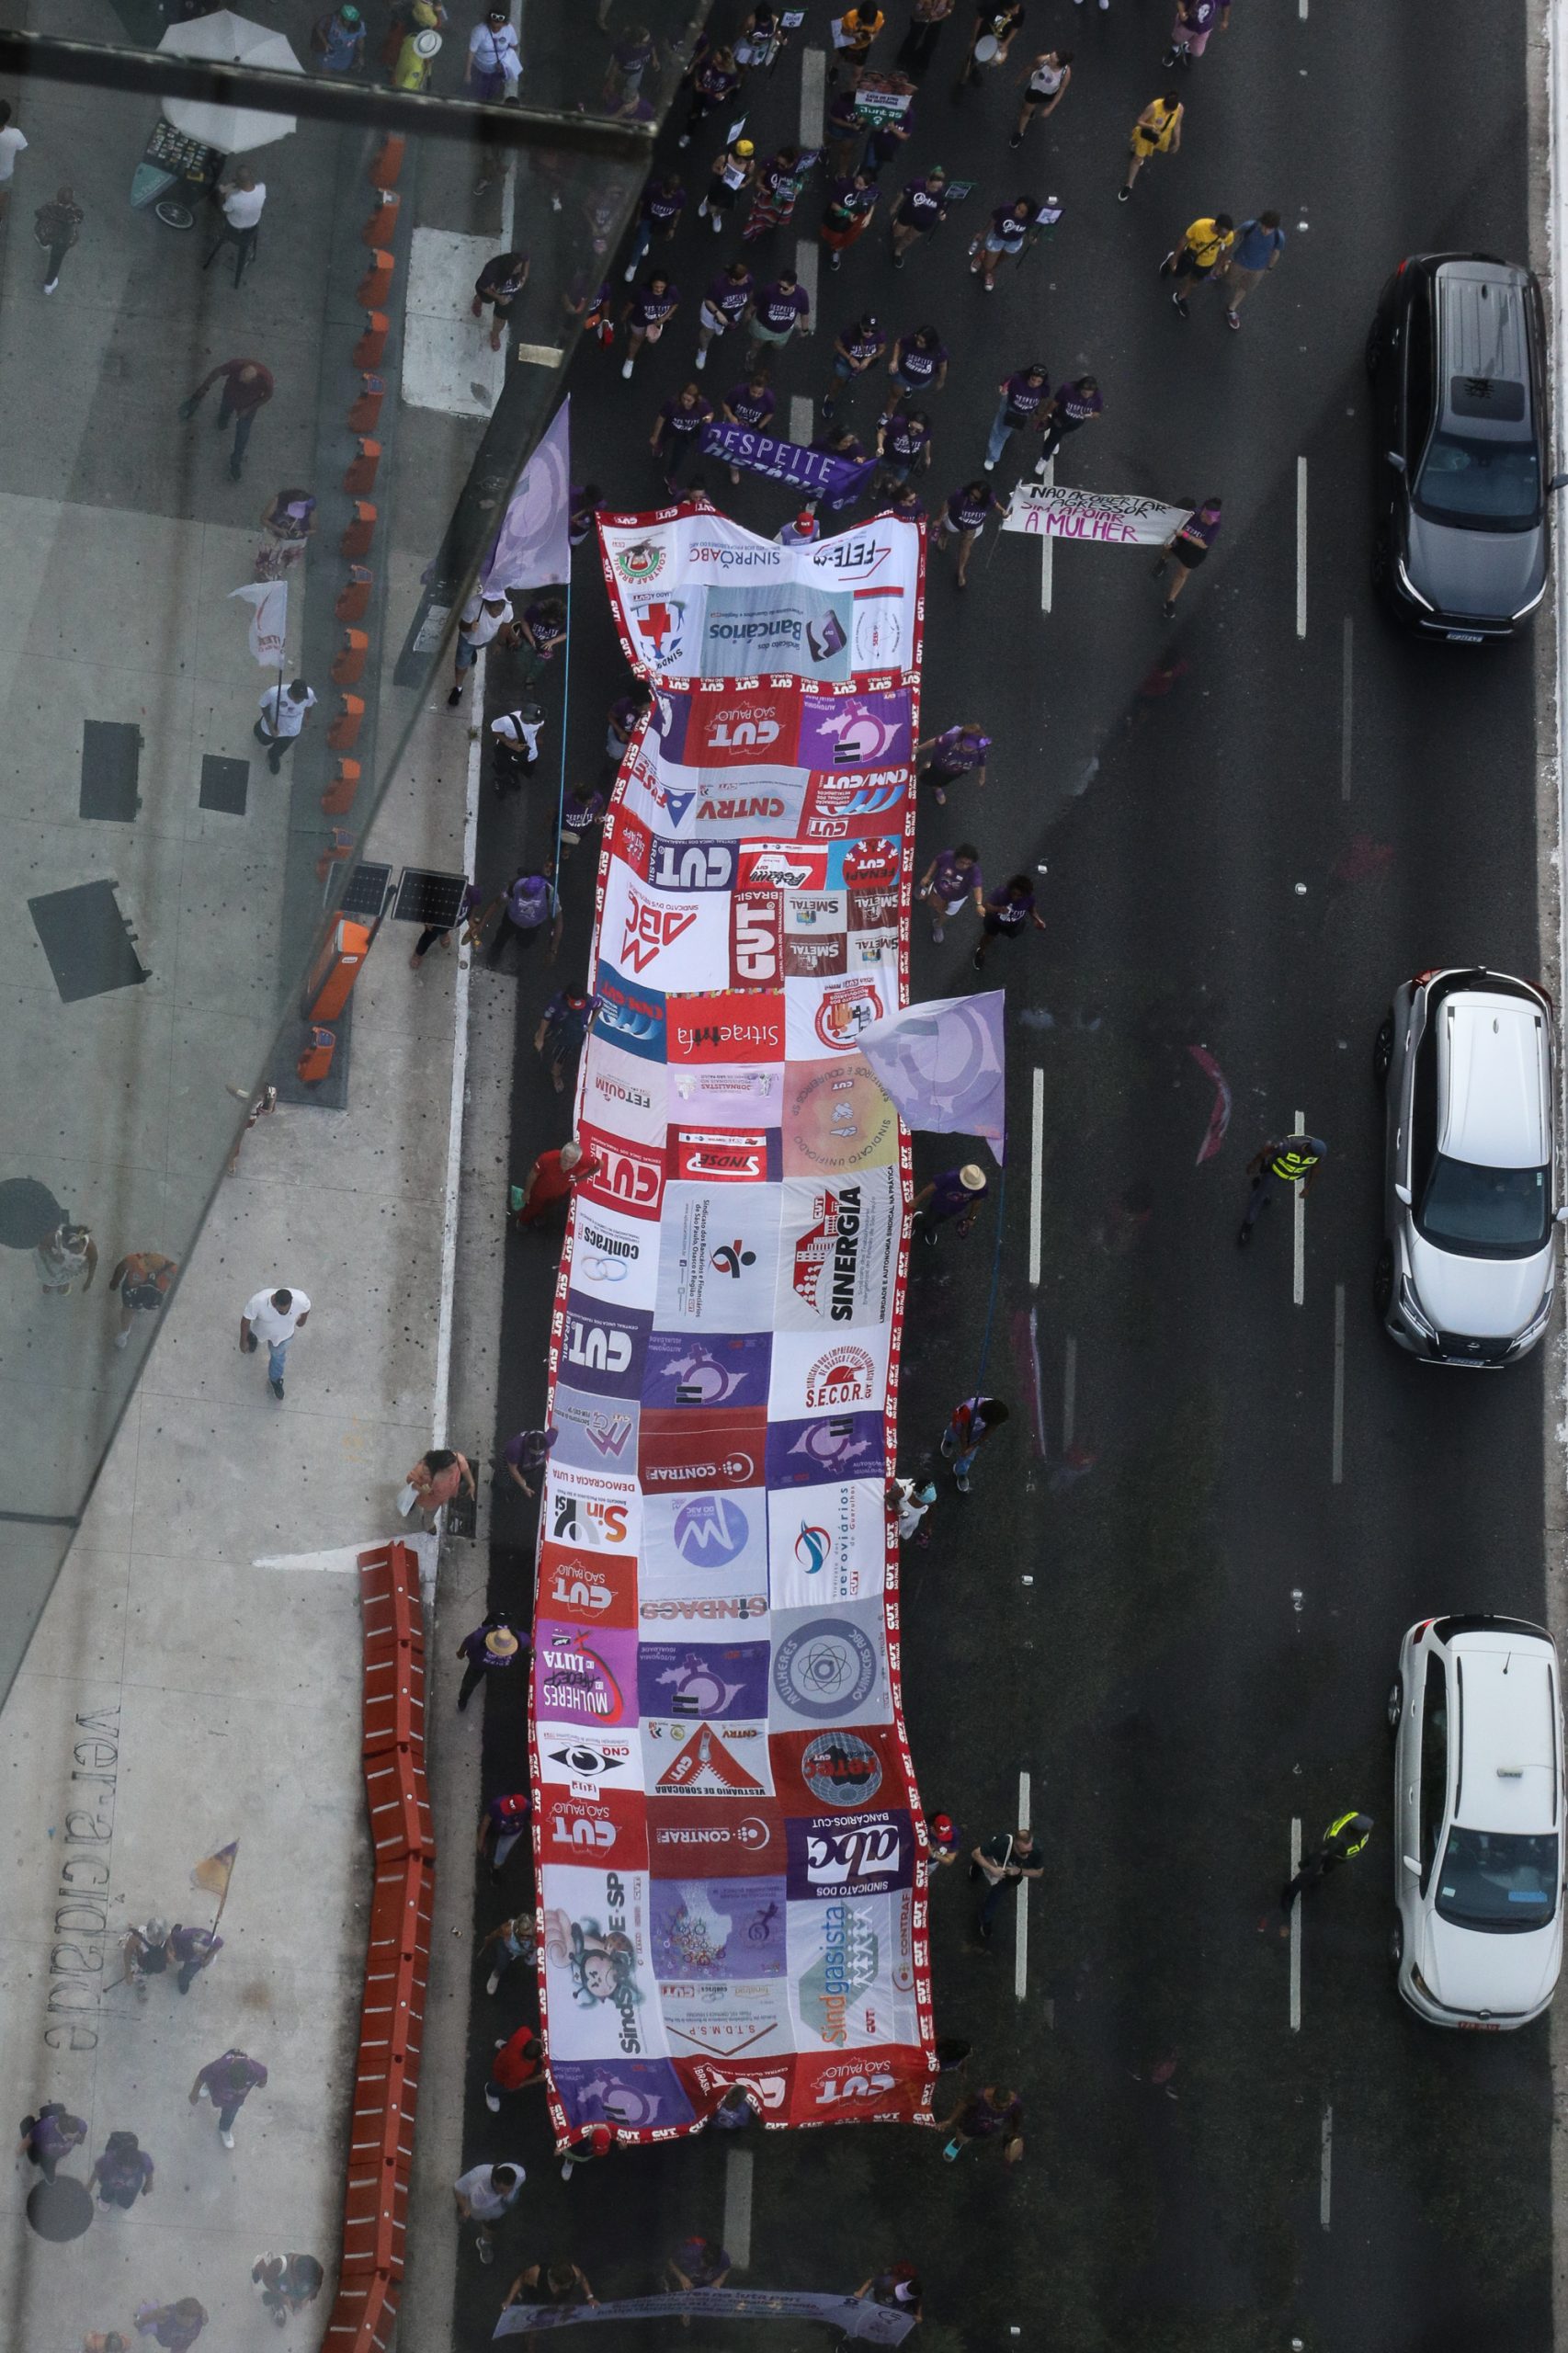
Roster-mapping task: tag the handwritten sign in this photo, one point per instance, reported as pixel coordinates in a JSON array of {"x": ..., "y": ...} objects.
[{"x": 1051, "y": 512}]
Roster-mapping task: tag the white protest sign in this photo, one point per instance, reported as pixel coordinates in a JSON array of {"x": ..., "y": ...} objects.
[{"x": 1047, "y": 511}]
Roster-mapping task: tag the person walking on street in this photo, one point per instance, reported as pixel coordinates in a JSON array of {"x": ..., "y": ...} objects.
[
  {"x": 507, "y": 1816},
  {"x": 438, "y": 1479},
  {"x": 1205, "y": 247},
  {"x": 842, "y": 130},
  {"x": 952, "y": 881},
  {"x": 191, "y": 1950},
  {"x": 514, "y": 747},
  {"x": 174, "y": 2326},
  {"x": 515, "y": 1940},
  {"x": 1023, "y": 402},
  {"x": 919, "y": 365},
  {"x": 1345, "y": 1837},
  {"x": 1259, "y": 243},
  {"x": 778, "y": 184},
  {"x": 123, "y": 2173},
  {"x": 144, "y": 1953},
  {"x": 50, "y": 2136},
  {"x": 904, "y": 447},
  {"x": 731, "y": 171},
  {"x": 991, "y": 2114},
  {"x": 485, "y": 618},
  {"x": 274, "y": 1316},
  {"x": 283, "y": 713},
  {"x": 856, "y": 351},
  {"x": 852, "y": 199},
  {"x": 956, "y": 1193},
  {"x": 228, "y": 2083},
  {"x": 1187, "y": 548},
  {"x": 1002, "y": 1862},
  {"x": 493, "y": 69},
  {"x": 882, "y": 143},
  {"x": 622, "y": 721},
  {"x": 553, "y": 1178},
  {"x": 782, "y": 310},
  {"x": 922, "y": 208},
  {"x": 957, "y": 752},
  {"x": 1071, "y": 407},
  {"x": 240, "y": 200},
  {"x": 12, "y": 144},
  {"x": 529, "y": 1451},
  {"x": 995, "y": 23},
  {"x": 964, "y": 518},
  {"x": 919, "y": 44},
  {"x": 629, "y": 59},
  {"x": 56, "y": 227},
  {"x": 1010, "y": 225},
  {"x": 751, "y": 405},
  {"x": 1283, "y": 1163},
  {"x": 727, "y": 304},
  {"x": 943, "y": 1841},
  {"x": 338, "y": 39},
  {"x": 970, "y": 1424},
  {"x": 433, "y": 935},
  {"x": 484, "y": 2194},
  {"x": 1157, "y": 131},
  {"x": 1195, "y": 20},
  {"x": 562, "y": 1030},
  {"x": 491, "y": 1649},
  {"x": 61, "y": 1255},
  {"x": 497, "y": 286},
  {"x": 530, "y": 902},
  {"x": 142, "y": 1281},
  {"x": 853, "y": 35},
  {"x": 518, "y": 2062},
  {"x": 658, "y": 215},
  {"x": 714, "y": 79},
  {"x": 1008, "y": 913},
  {"x": 677, "y": 428},
  {"x": 647, "y": 315},
  {"x": 1045, "y": 86},
  {"x": 285, "y": 2284},
  {"x": 247, "y": 388}
]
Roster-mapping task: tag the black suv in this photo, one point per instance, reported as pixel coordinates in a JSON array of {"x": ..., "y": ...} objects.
[{"x": 1457, "y": 355}]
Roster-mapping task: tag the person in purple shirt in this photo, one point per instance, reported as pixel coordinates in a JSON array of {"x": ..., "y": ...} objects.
[
  {"x": 620, "y": 725},
  {"x": 123, "y": 2173},
  {"x": 751, "y": 405},
  {"x": 191, "y": 1950},
  {"x": 883, "y": 142},
  {"x": 952, "y": 878},
  {"x": 1072, "y": 407},
  {"x": 1010, "y": 225},
  {"x": 957, "y": 751},
  {"x": 957, "y": 1192},
  {"x": 1187, "y": 548},
  {"x": 781, "y": 309},
  {"x": 580, "y": 811},
  {"x": 713, "y": 81},
  {"x": 843, "y": 129},
  {"x": 919, "y": 365},
  {"x": 490, "y": 1649},
  {"x": 778, "y": 184},
  {"x": 923, "y": 205},
  {"x": 543, "y": 627},
  {"x": 1195, "y": 20},
  {"x": 50, "y": 2135},
  {"x": 964, "y": 518},
  {"x": 727, "y": 303},
  {"x": 1008, "y": 913},
  {"x": 1024, "y": 396},
  {"x": 676, "y": 429},
  {"x": 629, "y": 60},
  {"x": 228, "y": 2083},
  {"x": 647, "y": 314},
  {"x": 582, "y": 504},
  {"x": 856, "y": 349},
  {"x": 906, "y": 506},
  {"x": 658, "y": 215},
  {"x": 528, "y": 1452},
  {"x": 847, "y": 214},
  {"x": 903, "y": 445},
  {"x": 174, "y": 2326}
]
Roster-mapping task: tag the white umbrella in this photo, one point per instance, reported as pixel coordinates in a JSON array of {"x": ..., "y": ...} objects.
[{"x": 228, "y": 40}]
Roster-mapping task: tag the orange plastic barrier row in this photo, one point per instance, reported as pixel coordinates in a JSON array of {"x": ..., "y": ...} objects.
[{"x": 397, "y": 1960}]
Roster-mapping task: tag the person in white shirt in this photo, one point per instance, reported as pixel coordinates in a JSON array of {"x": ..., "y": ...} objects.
[
  {"x": 483, "y": 619},
  {"x": 274, "y": 1316},
  {"x": 240, "y": 200},
  {"x": 484, "y": 2194},
  {"x": 283, "y": 713},
  {"x": 911, "y": 1499},
  {"x": 515, "y": 740},
  {"x": 12, "y": 144},
  {"x": 495, "y": 66}
]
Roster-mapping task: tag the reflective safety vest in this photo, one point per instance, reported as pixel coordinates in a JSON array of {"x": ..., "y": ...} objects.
[
  {"x": 1335, "y": 1829},
  {"x": 1292, "y": 1165}
]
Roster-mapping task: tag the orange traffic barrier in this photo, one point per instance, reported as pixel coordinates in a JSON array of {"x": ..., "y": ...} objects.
[
  {"x": 316, "y": 1061},
  {"x": 388, "y": 161},
  {"x": 382, "y": 223},
  {"x": 344, "y": 732},
  {"x": 356, "y": 539},
  {"x": 373, "y": 342},
  {"x": 363, "y": 469},
  {"x": 340, "y": 846},
  {"x": 376, "y": 284},
  {"x": 363, "y": 2314},
  {"x": 351, "y": 658},
  {"x": 367, "y": 409},
  {"x": 338, "y": 797},
  {"x": 354, "y": 602}
]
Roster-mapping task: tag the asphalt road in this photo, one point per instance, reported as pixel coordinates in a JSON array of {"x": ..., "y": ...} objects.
[{"x": 1206, "y": 1644}]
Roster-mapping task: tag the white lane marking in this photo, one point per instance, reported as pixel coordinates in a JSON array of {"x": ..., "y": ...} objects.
[
  {"x": 1299, "y": 1225},
  {"x": 1037, "y": 1172},
  {"x": 1325, "y": 2167},
  {"x": 1302, "y": 11},
  {"x": 737, "y": 2205},
  {"x": 1021, "y": 1917},
  {"x": 1069, "y": 1392},
  {"x": 813, "y": 95},
  {"x": 1300, "y": 547},
  {"x": 1338, "y": 1384},
  {"x": 1296, "y": 1929},
  {"x": 1047, "y": 559},
  {"x": 802, "y": 426},
  {"x": 806, "y": 278},
  {"x": 1347, "y": 707}
]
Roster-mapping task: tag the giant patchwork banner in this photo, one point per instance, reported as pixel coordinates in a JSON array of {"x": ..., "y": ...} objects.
[{"x": 732, "y": 1877}]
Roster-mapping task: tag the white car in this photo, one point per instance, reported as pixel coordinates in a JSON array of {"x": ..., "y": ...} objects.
[{"x": 1477, "y": 1719}]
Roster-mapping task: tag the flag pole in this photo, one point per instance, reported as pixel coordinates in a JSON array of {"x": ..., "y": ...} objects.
[
  {"x": 996, "y": 1272},
  {"x": 566, "y": 716},
  {"x": 227, "y": 1885}
]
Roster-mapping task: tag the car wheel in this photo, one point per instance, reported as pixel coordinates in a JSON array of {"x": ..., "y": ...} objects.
[
  {"x": 1396, "y": 1703},
  {"x": 1374, "y": 354},
  {"x": 1382, "y": 1050},
  {"x": 1382, "y": 1280},
  {"x": 1396, "y": 1946}
]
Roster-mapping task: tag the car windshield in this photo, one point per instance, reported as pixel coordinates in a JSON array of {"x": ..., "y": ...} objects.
[
  {"x": 1494, "y": 1212},
  {"x": 1479, "y": 484},
  {"x": 1498, "y": 1880}
]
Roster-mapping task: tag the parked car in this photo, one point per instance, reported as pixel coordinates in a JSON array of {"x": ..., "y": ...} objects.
[
  {"x": 1457, "y": 355},
  {"x": 1468, "y": 1266},
  {"x": 1477, "y": 1717}
]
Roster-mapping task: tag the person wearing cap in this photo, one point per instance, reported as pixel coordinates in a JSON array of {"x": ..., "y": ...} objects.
[
  {"x": 339, "y": 41},
  {"x": 507, "y": 1816},
  {"x": 528, "y": 1452},
  {"x": 417, "y": 58},
  {"x": 598, "y": 2140},
  {"x": 956, "y": 1193},
  {"x": 490, "y": 1649},
  {"x": 493, "y": 67},
  {"x": 922, "y": 207},
  {"x": 713, "y": 78},
  {"x": 484, "y": 2194},
  {"x": 942, "y": 1840},
  {"x": 485, "y": 618},
  {"x": 1002, "y": 1862},
  {"x": 1345, "y": 1837},
  {"x": 856, "y": 350},
  {"x": 513, "y": 745},
  {"x": 733, "y": 170},
  {"x": 909, "y": 1500},
  {"x": 436, "y": 1478},
  {"x": 1024, "y": 395},
  {"x": 802, "y": 532},
  {"x": 897, "y": 2289},
  {"x": 1285, "y": 1163}
]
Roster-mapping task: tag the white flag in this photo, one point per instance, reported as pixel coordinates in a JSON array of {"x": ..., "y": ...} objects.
[{"x": 268, "y": 601}]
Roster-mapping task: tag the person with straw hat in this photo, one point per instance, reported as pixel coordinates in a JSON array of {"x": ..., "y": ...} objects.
[
  {"x": 488, "y": 1650},
  {"x": 956, "y": 1193}
]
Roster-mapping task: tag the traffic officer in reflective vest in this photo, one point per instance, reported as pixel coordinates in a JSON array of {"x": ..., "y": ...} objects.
[
  {"x": 1283, "y": 1161},
  {"x": 1343, "y": 1838}
]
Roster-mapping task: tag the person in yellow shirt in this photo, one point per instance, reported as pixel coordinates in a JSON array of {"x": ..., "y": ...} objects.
[
  {"x": 1157, "y": 131},
  {"x": 1205, "y": 248},
  {"x": 417, "y": 59}
]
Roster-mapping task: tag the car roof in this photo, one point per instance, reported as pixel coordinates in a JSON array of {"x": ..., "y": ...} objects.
[
  {"x": 1509, "y": 1761},
  {"x": 1492, "y": 1080},
  {"x": 1483, "y": 342}
]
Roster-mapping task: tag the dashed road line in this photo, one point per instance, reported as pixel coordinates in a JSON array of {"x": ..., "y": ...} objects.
[
  {"x": 1347, "y": 707},
  {"x": 1325, "y": 2166},
  {"x": 1299, "y": 1229},
  {"x": 1296, "y": 1929},
  {"x": 1339, "y": 1443},
  {"x": 737, "y": 2206},
  {"x": 1021, "y": 1917},
  {"x": 1300, "y": 547},
  {"x": 1037, "y": 1172}
]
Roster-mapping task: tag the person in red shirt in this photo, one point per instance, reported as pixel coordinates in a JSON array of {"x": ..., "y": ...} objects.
[
  {"x": 551, "y": 1179},
  {"x": 247, "y": 388},
  {"x": 517, "y": 2062}
]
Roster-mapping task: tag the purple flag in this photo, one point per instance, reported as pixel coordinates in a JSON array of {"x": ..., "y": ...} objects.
[
  {"x": 532, "y": 548},
  {"x": 942, "y": 1065},
  {"x": 835, "y": 479}
]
